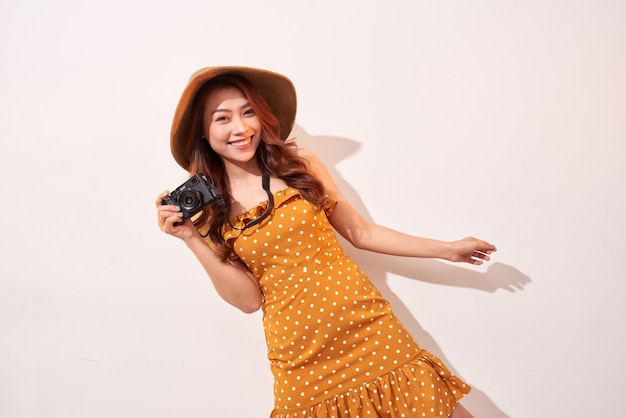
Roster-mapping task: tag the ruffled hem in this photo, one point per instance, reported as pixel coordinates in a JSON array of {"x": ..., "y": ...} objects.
[{"x": 424, "y": 387}]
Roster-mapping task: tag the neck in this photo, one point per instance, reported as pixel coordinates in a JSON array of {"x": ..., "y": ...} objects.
[{"x": 242, "y": 172}]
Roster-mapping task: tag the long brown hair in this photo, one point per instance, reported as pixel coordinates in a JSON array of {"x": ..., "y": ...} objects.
[{"x": 274, "y": 156}]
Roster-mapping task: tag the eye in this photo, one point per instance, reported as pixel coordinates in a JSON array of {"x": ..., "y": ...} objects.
[
  {"x": 220, "y": 118},
  {"x": 248, "y": 112}
]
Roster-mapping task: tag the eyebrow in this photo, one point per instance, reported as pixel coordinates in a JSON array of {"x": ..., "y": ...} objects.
[{"x": 228, "y": 110}]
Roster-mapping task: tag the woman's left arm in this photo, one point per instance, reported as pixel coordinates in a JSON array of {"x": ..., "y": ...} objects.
[{"x": 369, "y": 236}]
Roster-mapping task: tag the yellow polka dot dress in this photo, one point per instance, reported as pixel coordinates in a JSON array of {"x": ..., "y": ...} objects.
[{"x": 335, "y": 347}]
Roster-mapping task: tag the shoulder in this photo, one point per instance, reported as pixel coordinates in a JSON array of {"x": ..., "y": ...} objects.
[
  {"x": 321, "y": 172},
  {"x": 308, "y": 156},
  {"x": 300, "y": 151}
]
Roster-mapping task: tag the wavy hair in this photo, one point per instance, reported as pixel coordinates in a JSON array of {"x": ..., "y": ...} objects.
[{"x": 275, "y": 156}]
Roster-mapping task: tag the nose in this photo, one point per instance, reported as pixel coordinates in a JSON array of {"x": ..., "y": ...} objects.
[{"x": 240, "y": 127}]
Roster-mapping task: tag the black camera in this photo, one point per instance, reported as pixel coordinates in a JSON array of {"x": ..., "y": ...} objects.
[{"x": 193, "y": 195}]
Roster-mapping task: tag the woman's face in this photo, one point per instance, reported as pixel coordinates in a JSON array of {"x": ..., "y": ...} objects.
[{"x": 231, "y": 126}]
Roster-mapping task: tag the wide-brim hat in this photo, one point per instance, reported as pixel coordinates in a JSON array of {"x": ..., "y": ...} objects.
[{"x": 278, "y": 91}]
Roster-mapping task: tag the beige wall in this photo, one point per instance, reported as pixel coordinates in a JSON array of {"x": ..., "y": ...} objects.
[{"x": 499, "y": 119}]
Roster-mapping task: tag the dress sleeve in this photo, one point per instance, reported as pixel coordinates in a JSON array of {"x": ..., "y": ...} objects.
[{"x": 329, "y": 206}]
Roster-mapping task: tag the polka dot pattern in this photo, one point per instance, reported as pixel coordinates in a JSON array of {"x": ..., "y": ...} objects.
[{"x": 335, "y": 347}]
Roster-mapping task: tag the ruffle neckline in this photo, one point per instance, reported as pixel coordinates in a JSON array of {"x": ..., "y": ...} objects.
[
  {"x": 239, "y": 221},
  {"x": 281, "y": 197}
]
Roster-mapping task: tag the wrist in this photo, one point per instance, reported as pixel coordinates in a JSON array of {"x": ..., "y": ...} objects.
[
  {"x": 448, "y": 252},
  {"x": 194, "y": 240}
]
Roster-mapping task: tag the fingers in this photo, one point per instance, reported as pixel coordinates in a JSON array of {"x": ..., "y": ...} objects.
[
  {"x": 167, "y": 215},
  {"x": 472, "y": 250},
  {"x": 159, "y": 201},
  {"x": 480, "y": 256},
  {"x": 481, "y": 251},
  {"x": 483, "y": 246}
]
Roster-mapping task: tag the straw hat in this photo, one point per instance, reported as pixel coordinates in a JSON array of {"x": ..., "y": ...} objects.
[{"x": 277, "y": 90}]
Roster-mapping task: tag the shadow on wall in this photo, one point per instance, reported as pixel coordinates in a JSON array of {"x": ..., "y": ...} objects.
[{"x": 498, "y": 276}]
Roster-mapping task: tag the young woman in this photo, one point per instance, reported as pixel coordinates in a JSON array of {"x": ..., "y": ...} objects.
[{"x": 335, "y": 347}]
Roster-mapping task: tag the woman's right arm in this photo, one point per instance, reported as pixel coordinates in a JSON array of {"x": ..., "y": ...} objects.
[{"x": 231, "y": 279}]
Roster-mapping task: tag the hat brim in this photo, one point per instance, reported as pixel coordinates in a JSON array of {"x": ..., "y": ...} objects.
[{"x": 278, "y": 91}]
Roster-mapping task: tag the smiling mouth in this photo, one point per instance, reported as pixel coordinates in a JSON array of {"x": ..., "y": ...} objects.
[{"x": 242, "y": 143}]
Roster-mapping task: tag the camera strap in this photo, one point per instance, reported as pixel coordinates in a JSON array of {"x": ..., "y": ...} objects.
[{"x": 265, "y": 181}]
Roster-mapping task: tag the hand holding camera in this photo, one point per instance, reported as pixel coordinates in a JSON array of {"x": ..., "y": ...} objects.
[{"x": 193, "y": 195}]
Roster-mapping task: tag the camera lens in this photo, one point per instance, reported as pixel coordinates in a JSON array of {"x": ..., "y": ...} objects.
[{"x": 190, "y": 200}]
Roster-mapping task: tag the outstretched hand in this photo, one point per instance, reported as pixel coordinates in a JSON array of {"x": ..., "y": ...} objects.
[{"x": 471, "y": 250}]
